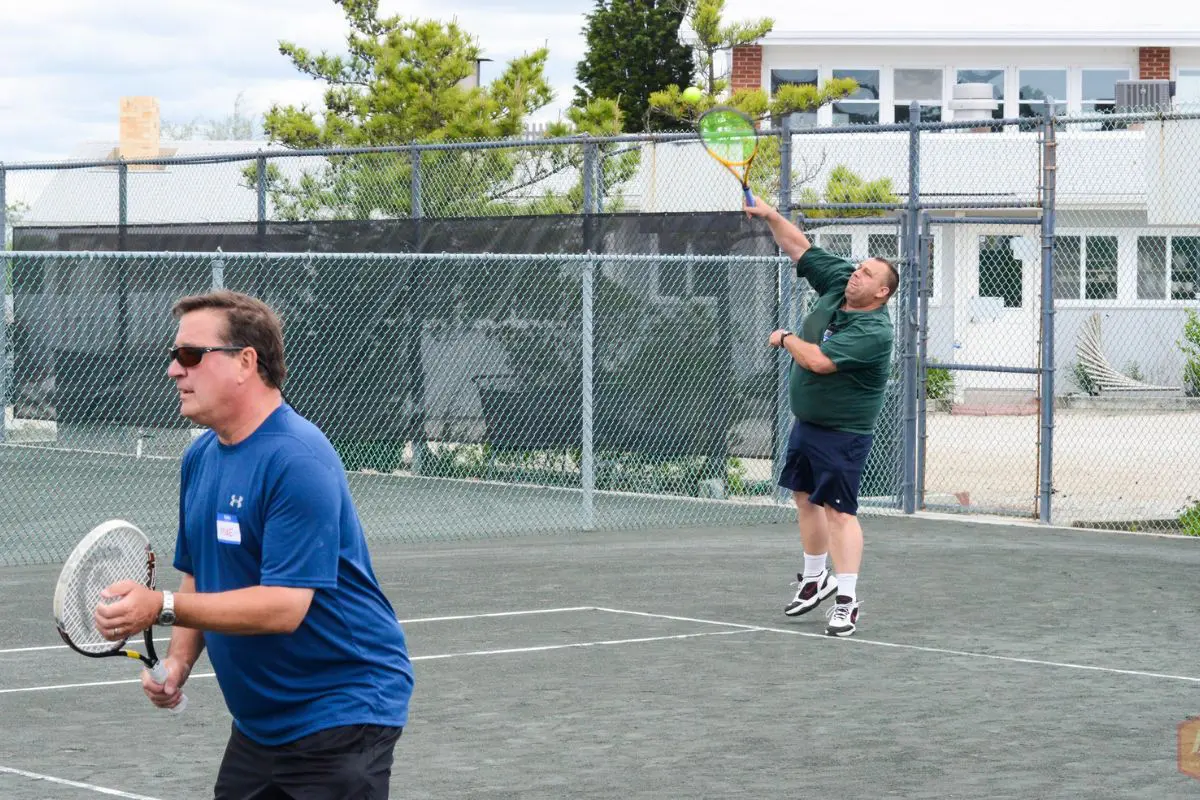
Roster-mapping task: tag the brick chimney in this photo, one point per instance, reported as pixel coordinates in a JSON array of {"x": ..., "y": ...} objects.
[
  {"x": 1154, "y": 63},
  {"x": 747, "y": 67},
  {"x": 140, "y": 128}
]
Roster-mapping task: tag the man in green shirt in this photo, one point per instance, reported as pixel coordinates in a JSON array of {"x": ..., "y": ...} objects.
[{"x": 841, "y": 362}]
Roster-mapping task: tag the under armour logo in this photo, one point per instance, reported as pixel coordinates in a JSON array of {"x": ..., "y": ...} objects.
[{"x": 236, "y": 501}]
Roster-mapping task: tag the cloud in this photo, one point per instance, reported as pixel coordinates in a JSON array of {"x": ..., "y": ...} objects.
[{"x": 68, "y": 62}]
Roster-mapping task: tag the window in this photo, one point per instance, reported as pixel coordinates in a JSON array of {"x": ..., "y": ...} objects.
[
  {"x": 1100, "y": 95},
  {"x": 862, "y": 107},
  {"x": 1000, "y": 272},
  {"x": 795, "y": 77},
  {"x": 1187, "y": 87},
  {"x": 993, "y": 76},
  {"x": 1185, "y": 267},
  {"x": 1100, "y": 268},
  {"x": 1085, "y": 268},
  {"x": 1068, "y": 258},
  {"x": 884, "y": 245},
  {"x": 921, "y": 85},
  {"x": 1168, "y": 268},
  {"x": 1039, "y": 85},
  {"x": 1152, "y": 267}
]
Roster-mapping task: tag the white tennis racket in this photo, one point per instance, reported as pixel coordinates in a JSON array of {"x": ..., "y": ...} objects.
[{"x": 113, "y": 551}]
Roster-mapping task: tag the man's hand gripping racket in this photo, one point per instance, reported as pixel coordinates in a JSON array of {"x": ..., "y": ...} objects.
[
  {"x": 730, "y": 137},
  {"x": 113, "y": 552}
]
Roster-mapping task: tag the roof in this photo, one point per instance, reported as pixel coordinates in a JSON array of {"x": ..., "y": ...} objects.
[
  {"x": 1095, "y": 23},
  {"x": 994, "y": 38},
  {"x": 171, "y": 193}
]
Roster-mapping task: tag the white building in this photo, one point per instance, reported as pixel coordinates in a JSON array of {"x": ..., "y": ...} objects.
[{"x": 1128, "y": 224}]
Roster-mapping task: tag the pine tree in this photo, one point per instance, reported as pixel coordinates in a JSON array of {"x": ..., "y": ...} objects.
[{"x": 633, "y": 50}]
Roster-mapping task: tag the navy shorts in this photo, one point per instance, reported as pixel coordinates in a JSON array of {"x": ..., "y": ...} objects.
[
  {"x": 351, "y": 762},
  {"x": 825, "y": 464}
]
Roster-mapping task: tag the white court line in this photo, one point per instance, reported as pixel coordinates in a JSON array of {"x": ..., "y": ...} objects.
[
  {"x": 544, "y": 648},
  {"x": 495, "y": 614},
  {"x": 402, "y": 622},
  {"x": 75, "y": 784},
  {"x": 506, "y": 651},
  {"x": 916, "y": 647}
]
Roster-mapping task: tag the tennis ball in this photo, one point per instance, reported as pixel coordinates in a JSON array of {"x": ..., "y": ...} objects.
[{"x": 693, "y": 94}]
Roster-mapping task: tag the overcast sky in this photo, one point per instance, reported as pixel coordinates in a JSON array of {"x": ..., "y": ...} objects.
[{"x": 66, "y": 63}]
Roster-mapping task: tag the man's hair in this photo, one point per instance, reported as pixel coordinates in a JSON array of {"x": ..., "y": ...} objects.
[
  {"x": 893, "y": 279},
  {"x": 249, "y": 322}
]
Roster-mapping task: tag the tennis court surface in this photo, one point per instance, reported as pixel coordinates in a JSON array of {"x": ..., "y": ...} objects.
[{"x": 992, "y": 660}]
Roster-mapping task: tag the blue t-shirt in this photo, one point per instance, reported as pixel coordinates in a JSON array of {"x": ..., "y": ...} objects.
[{"x": 275, "y": 510}]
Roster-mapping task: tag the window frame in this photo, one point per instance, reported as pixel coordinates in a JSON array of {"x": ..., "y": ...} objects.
[
  {"x": 1127, "y": 268},
  {"x": 826, "y": 74},
  {"x": 1081, "y": 297},
  {"x": 1193, "y": 72},
  {"x": 893, "y": 100},
  {"x": 1169, "y": 236}
]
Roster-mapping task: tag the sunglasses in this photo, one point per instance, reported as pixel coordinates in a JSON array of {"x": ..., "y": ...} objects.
[{"x": 191, "y": 356}]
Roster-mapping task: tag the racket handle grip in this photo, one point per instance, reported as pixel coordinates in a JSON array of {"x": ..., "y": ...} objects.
[
  {"x": 159, "y": 673},
  {"x": 749, "y": 196}
]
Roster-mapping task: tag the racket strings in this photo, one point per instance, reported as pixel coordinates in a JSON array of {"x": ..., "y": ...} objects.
[
  {"x": 121, "y": 555},
  {"x": 728, "y": 136}
]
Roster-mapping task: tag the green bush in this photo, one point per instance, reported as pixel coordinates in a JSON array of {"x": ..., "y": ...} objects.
[
  {"x": 939, "y": 383},
  {"x": 1189, "y": 520},
  {"x": 1190, "y": 345}
]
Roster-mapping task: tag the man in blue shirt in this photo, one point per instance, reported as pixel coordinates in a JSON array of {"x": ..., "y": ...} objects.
[{"x": 278, "y": 582}]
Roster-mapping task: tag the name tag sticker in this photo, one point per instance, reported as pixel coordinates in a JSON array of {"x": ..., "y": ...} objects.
[{"x": 228, "y": 530}]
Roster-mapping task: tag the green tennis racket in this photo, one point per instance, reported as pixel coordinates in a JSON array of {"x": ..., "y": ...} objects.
[{"x": 730, "y": 137}]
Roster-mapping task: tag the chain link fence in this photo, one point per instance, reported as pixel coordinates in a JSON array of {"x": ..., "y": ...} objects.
[
  {"x": 1046, "y": 351},
  {"x": 466, "y": 395},
  {"x": 1126, "y": 295}
]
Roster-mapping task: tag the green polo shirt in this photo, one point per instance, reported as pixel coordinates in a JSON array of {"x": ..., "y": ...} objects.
[{"x": 858, "y": 342}]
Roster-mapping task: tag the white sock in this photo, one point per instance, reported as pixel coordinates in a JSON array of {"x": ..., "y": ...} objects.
[
  {"x": 814, "y": 565},
  {"x": 847, "y": 583}
]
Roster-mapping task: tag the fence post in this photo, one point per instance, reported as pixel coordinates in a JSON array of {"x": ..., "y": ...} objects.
[
  {"x": 590, "y": 160},
  {"x": 910, "y": 289},
  {"x": 925, "y": 269},
  {"x": 122, "y": 348},
  {"x": 122, "y": 204},
  {"x": 587, "y": 467},
  {"x": 261, "y": 189},
  {"x": 217, "y": 270},
  {"x": 785, "y": 287},
  {"x": 415, "y": 211},
  {"x": 1046, "y": 451},
  {"x": 785, "y": 166},
  {"x": 420, "y": 446},
  {"x": 783, "y": 409},
  {"x": 4, "y": 262}
]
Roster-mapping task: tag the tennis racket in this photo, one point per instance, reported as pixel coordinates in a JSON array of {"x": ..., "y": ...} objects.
[
  {"x": 113, "y": 551},
  {"x": 730, "y": 137}
]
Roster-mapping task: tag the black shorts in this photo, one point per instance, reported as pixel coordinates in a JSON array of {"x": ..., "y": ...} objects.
[
  {"x": 826, "y": 464},
  {"x": 353, "y": 762}
]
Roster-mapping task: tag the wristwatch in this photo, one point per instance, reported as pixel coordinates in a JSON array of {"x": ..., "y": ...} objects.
[
  {"x": 167, "y": 615},
  {"x": 785, "y": 335}
]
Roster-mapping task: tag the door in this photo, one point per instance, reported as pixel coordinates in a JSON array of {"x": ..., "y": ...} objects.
[{"x": 996, "y": 308}]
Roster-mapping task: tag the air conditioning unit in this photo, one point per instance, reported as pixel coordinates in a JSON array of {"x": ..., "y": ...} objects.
[{"x": 1144, "y": 95}]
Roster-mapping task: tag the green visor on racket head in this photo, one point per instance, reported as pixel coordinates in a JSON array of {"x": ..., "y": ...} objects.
[{"x": 729, "y": 135}]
